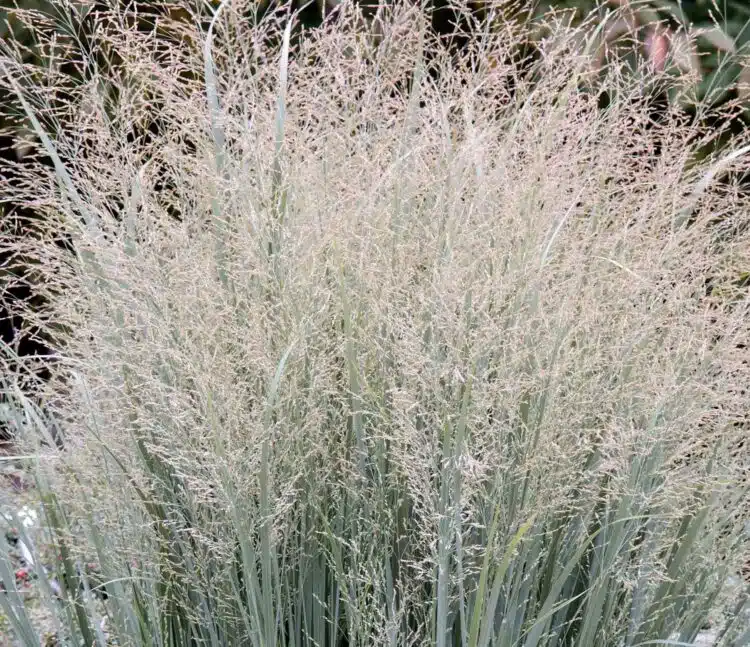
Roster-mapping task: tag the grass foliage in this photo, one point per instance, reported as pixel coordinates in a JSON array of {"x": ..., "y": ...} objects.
[{"x": 346, "y": 360}]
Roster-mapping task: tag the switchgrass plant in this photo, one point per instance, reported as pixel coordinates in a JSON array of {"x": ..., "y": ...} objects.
[{"x": 370, "y": 344}]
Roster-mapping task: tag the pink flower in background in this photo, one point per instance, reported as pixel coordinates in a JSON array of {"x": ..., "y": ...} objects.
[{"x": 657, "y": 47}]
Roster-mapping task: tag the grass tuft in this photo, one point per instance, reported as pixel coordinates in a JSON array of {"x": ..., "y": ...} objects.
[{"x": 377, "y": 345}]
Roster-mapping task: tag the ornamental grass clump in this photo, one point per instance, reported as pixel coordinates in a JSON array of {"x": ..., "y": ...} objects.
[{"x": 374, "y": 343}]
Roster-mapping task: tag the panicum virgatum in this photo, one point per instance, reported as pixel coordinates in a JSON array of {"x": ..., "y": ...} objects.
[{"x": 372, "y": 344}]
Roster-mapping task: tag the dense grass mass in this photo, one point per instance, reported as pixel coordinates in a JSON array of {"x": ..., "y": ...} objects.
[{"x": 372, "y": 345}]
